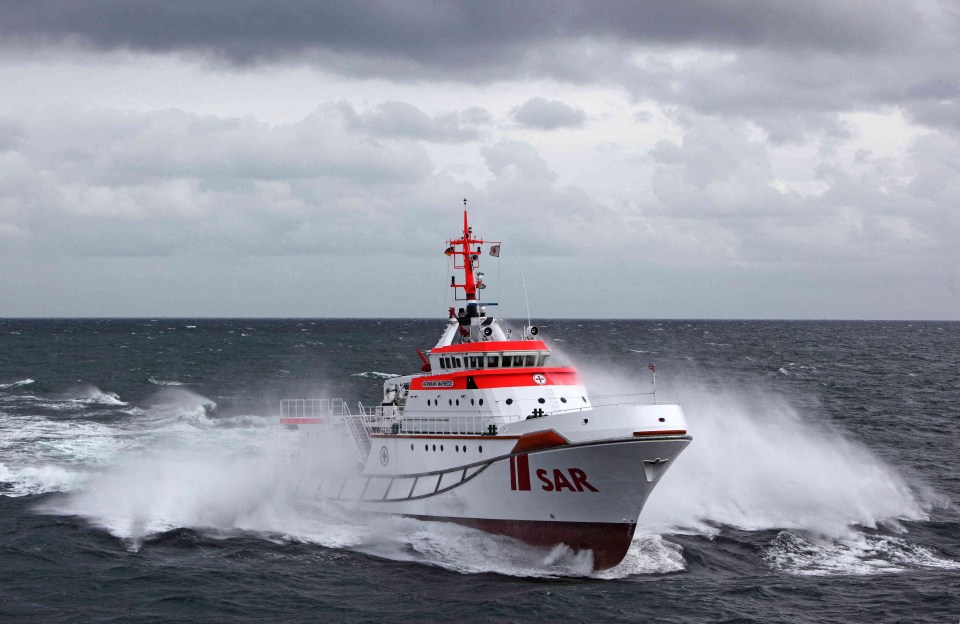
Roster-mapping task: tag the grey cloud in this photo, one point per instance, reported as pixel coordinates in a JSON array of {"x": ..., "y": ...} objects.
[
  {"x": 400, "y": 119},
  {"x": 886, "y": 217},
  {"x": 544, "y": 114},
  {"x": 168, "y": 182},
  {"x": 516, "y": 159},
  {"x": 790, "y": 66},
  {"x": 448, "y": 33},
  {"x": 11, "y": 133}
]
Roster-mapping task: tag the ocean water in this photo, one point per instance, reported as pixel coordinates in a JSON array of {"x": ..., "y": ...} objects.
[{"x": 144, "y": 478}]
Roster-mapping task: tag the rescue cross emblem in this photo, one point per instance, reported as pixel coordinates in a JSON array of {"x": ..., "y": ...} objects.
[
  {"x": 384, "y": 455},
  {"x": 539, "y": 379}
]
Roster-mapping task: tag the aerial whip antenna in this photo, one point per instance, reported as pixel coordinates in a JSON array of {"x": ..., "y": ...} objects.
[{"x": 523, "y": 280}]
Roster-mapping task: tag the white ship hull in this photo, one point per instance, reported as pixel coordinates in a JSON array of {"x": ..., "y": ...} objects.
[{"x": 585, "y": 489}]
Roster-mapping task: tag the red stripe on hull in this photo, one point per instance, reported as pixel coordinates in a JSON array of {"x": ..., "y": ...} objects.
[
  {"x": 523, "y": 473},
  {"x": 609, "y": 541},
  {"x": 501, "y": 378}
]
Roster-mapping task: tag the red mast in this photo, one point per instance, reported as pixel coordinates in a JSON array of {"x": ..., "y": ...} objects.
[{"x": 466, "y": 251}]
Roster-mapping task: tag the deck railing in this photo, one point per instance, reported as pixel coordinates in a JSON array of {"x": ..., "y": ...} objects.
[{"x": 390, "y": 419}]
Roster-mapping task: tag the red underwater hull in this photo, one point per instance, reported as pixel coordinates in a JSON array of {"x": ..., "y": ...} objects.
[{"x": 609, "y": 541}]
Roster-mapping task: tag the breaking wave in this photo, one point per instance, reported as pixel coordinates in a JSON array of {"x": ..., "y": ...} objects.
[
  {"x": 16, "y": 384},
  {"x": 859, "y": 554},
  {"x": 161, "y": 382},
  {"x": 756, "y": 464},
  {"x": 92, "y": 395},
  {"x": 375, "y": 375}
]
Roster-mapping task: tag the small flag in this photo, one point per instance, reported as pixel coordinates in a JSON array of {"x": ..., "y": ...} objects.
[
  {"x": 449, "y": 250},
  {"x": 495, "y": 251},
  {"x": 652, "y": 368}
]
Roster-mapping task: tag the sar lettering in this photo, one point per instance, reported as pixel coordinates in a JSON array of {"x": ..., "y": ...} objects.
[{"x": 558, "y": 481}]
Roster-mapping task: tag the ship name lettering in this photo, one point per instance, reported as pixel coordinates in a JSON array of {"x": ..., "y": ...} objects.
[
  {"x": 576, "y": 483},
  {"x": 445, "y": 383}
]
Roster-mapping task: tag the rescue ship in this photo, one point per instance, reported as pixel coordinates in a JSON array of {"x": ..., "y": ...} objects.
[{"x": 493, "y": 434}]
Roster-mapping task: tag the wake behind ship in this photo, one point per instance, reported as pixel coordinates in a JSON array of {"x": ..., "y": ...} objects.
[{"x": 493, "y": 435}]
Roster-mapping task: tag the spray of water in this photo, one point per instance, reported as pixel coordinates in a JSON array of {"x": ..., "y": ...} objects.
[{"x": 756, "y": 463}]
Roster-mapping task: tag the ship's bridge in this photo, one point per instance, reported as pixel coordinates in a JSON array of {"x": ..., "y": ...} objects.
[{"x": 493, "y": 354}]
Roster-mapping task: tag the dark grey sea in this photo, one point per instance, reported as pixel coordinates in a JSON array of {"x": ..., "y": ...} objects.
[{"x": 144, "y": 478}]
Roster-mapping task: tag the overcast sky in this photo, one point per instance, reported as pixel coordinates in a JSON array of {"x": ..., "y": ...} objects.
[{"x": 643, "y": 159}]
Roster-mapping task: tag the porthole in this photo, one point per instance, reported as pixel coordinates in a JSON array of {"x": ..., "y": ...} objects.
[
  {"x": 464, "y": 448},
  {"x": 471, "y": 402},
  {"x": 428, "y": 402},
  {"x": 450, "y": 401},
  {"x": 441, "y": 448},
  {"x": 563, "y": 399},
  {"x": 509, "y": 401},
  {"x": 480, "y": 449},
  {"x": 411, "y": 447},
  {"x": 541, "y": 400},
  {"x": 434, "y": 447},
  {"x": 426, "y": 447},
  {"x": 584, "y": 399},
  {"x": 458, "y": 402},
  {"x": 458, "y": 448},
  {"x": 481, "y": 401}
]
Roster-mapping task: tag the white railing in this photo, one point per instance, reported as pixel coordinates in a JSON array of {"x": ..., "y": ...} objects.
[
  {"x": 336, "y": 411},
  {"x": 390, "y": 419},
  {"x": 313, "y": 408}
]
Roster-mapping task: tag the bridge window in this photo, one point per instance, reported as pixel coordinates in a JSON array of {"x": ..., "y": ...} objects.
[
  {"x": 518, "y": 360},
  {"x": 493, "y": 361},
  {"x": 507, "y": 361},
  {"x": 456, "y": 363},
  {"x": 529, "y": 360}
]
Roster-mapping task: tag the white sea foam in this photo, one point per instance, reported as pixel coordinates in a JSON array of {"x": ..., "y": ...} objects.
[
  {"x": 161, "y": 382},
  {"x": 16, "y": 384},
  {"x": 91, "y": 395},
  {"x": 755, "y": 463},
  {"x": 375, "y": 375},
  {"x": 858, "y": 554},
  {"x": 27, "y": 480}
]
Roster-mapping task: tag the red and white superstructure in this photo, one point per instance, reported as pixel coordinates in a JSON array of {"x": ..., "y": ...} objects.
[{"x": 493, "y": 435}]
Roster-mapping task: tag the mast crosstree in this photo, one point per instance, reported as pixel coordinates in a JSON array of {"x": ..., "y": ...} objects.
[{"x": 466, "y": 251}]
